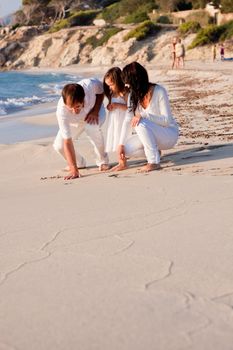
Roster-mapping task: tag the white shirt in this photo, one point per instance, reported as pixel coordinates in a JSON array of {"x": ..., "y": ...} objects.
[
  {"x": 158, "y": 111},
  {"x": 66, "y": 118}
]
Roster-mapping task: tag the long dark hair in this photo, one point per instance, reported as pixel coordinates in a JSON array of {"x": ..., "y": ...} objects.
[
  {"x": 136, "y": 76},
  {"x": 115, "y": 74}
]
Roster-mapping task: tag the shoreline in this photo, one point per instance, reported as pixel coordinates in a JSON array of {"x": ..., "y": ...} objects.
[
  {"x": 28, "y": 121},
  {"x": 28, "y": 125}
]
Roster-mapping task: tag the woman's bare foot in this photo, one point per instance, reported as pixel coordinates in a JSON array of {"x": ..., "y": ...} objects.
[
  {"x": 119, "y": 167},
  {"x": 67, "y": 168},
  {"x": 122, "y": 165},
  {"x": 104, "y": 167},
  {"x": 149, "y": 167}
]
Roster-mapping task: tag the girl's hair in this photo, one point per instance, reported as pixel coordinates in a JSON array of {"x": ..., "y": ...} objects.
[
  {"x": 136, "y": 77},
  {"x": 115, "y": 74},
  {"x": 75, "y": 92}
]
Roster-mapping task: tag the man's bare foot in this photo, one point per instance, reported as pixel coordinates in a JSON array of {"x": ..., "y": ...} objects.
[
  {"x": 149, "y": 167},
  {"x": 104, "y": 167},
  {"x": 119, "y": 167}
]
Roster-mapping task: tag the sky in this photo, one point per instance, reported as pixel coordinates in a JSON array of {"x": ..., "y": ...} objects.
[{"x": 9, "y": 6}]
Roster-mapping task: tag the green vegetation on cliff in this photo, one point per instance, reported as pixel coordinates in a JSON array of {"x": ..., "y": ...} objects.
[
  {"x": 143, "y": 30},
  {"x": 35, "y": 12},
  {"x": 81, "y": 18},
  {"x": 106, "y": 35},
  {"x": 189, "y": 27},
  {"x": 213, "y": 34}
]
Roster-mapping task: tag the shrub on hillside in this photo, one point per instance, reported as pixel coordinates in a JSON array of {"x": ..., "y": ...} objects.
[
  {"x": 189, "y": 27},
  {"x": 143, "y": 30},
  {"x": 124, "y": 8},
  {"x": 129, "y": 6},
  {"x": 208, "y": 35},
  {"x": 107, "y": 34},
  {"x": 15, "y": 26},
  {"x": 136, "y": 17},
  {"x": 111, "y": 13},
  {"x": 164, "y": 20},
  {"x": 228, "y": 31},
  {"x": 63, "y": 23},
  {"x": 213, "y": 34},
  {"x": 81, "y": 18}
]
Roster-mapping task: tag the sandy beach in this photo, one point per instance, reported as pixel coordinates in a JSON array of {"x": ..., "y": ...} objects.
[{"x": 122, "y": 261}]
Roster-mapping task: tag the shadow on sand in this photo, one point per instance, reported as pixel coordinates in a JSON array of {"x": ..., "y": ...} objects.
[{"x": 200, "y": 154}]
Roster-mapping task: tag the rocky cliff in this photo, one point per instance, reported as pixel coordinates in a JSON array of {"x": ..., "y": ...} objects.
[{"x": 28, "y": 47}]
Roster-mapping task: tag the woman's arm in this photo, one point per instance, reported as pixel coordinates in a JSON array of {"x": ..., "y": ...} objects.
[
  {"x": 126, "y": 127},
  {"x": 165, "y": 116}
]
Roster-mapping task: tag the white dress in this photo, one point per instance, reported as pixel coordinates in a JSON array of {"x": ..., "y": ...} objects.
[{"x": 115, "y": 120}]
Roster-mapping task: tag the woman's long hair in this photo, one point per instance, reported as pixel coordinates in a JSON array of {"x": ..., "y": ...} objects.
[
  {"x": 115, "y": 74},
  {"x": 136, "y": 77}
]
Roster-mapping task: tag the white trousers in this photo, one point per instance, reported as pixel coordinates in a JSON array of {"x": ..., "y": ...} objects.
[
  {"x": 95, "y": 137},
  {"x": 151, "y": 138}
]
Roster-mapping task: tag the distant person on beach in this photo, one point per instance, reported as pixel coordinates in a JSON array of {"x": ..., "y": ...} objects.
[
  {"x": 173, "y": 52},
  {"x": 179, "y": 53},
  {"x": 150, "y": 114},
  {"x": 117, "y": 94},
  {"x": 214, "y": 52},
  {"x": 222, "y": 52},
  {"x": 81, "y": 106}
]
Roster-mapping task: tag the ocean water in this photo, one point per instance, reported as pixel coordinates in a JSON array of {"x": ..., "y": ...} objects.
[{"x": 21, "y": 89}]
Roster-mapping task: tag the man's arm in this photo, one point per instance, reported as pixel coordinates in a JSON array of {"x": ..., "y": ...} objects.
[
  {"x": 93, "y": 116},
  {"x": 71, "y": 159}
]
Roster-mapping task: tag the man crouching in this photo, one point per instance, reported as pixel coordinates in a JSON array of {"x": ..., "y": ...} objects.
[{"x": 81, "y": 106}]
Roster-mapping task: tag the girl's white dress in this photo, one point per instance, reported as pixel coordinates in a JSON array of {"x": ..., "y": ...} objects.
[{"x": 115, "y": 120}]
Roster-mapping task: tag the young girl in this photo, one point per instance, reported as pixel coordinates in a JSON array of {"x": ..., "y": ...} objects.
[
  {"x": 116, "y": 92},
  {"x": 149, "y": 113}
]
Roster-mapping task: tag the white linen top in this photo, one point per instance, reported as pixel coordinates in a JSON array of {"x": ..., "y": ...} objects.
[
  {"x": 66, "y": 118},
  {"x": 158, "y": 111}
]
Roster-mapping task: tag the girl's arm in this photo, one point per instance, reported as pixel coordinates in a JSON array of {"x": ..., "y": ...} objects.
[{"x": 115, "y": 105}]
